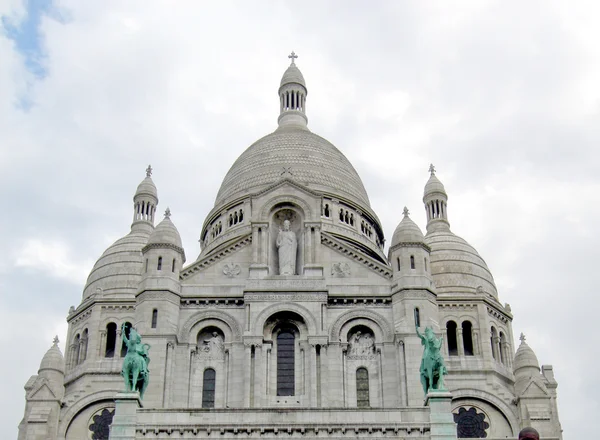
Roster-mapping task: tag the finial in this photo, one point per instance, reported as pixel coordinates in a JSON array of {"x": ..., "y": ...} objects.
[
  {"x": 431, "y": 169},
  {"x": 149, "y": 171},
  {"x": 405, "y": 211},
  {"x": 167, "y": 213},
  {"x": 293, "y": 57},
  {"x": 522, "y": 338},
  {"x": 56, "y": 341}
]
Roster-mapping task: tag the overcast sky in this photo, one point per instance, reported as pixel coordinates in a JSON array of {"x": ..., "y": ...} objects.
[{"x": 503, "y": 97}]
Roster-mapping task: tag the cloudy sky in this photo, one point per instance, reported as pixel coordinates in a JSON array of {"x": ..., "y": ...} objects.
[{"x": 503, "y": 97}]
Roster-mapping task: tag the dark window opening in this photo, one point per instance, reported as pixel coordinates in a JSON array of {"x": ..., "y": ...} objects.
[
  {"x": 159, "y": 265},
  {"x": 154, "y": 318},
  {"x": 398, "y": 261},
  {"x": 412, "y": 261},
  {"x": 208, "y": 388},
  {"x": 111, "y": 340},
  {"x": 285, "y": 363},
  {"x": 467, "y": 330},
  {"x": 362, "y": 388},
  {"x": 452, "y": 342},
  {"x": 417, "y": 317},
  {"x": 173, "y": 265}
]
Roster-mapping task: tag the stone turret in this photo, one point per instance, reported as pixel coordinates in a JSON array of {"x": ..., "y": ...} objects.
[{"x": 43, "y": 394}]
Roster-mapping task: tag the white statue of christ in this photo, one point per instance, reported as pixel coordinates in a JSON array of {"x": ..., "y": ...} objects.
[{"x": 287, "y": 246}]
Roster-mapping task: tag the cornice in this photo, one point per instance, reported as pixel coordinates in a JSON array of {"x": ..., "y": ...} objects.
[{"x": 215, "y": 257}]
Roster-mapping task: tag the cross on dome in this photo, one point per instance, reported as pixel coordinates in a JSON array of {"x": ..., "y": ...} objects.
[
  {"x": 149, "y": 171},
  {"x": 167, "y": 213},
  {"x": 56, "y": 341},
  {"x": 286, "y": 170},
  {"x": 431, "y": 169},
  {"x": 293, "y": 57},
  {"x": 405, "y": 211},
  {"x": 522, "y": 337}
]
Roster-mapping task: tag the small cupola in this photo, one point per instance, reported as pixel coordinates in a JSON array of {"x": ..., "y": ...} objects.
[
  {"x": 436, "y": 203},
  {"x": 292, "y": 96},
  {"x": 145, "y": 201},
  {"x": 163, "y": 253}
]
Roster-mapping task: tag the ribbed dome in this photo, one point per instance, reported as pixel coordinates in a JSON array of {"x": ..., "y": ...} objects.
[
  {"x": 53, "y": 359},
  {"x": 147, "y": 187},
  {"x": 525, "y": 357},
  {"x": 119, "y": 268},
  {"x": 407, "y": 231},
  {"x": 166, "y": 233},
  {"x": 292, "y": 76},
  {"x": 434, "y": 185},
  {"x": 297, "y": 154},
  {"x": 456, "y": 266}
]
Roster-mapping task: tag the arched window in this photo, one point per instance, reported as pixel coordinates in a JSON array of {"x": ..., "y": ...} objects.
[
  {"x": 208, "y": 388},
  {"x": 285, "y": 363},
  {"x": 362, "y": 388},
  {"x": 452, "y": 343},
  {"x": 159, "y": 265},
  {"x": 77, "y": 349},
  {"x": 173, "y": 265},
  {"x": 493, "y": 337},
  {"x": 398, "y": 262},
  {"x": 111, "y": 340},
  {"x": 154, "y": 318},
  {"x": 146, "y": 268},
  {"x": 425, "y": 263},
  {"x": 412, "y": 261},
  {"x": 501, "y": 343},
  {"x": 417, "y": 317},
  {"x": 123, "y": 345},
  {"x": 467, "y": 331}
]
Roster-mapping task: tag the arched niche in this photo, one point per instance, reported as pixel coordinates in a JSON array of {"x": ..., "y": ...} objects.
[
  {"x": 284, "y": 319},
  {"x": 230, "y": 328},
  {"x": 377, "y": 323},
  {"x": 307, "y": 318},
  {"x": 280, "y": 214}
]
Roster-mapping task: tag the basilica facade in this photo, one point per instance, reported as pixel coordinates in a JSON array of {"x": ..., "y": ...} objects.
[{"x": 293, "y": 320}]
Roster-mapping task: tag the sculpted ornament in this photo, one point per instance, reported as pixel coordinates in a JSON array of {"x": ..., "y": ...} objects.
[
  {"x": 362, "y": 346},
  {"x": 287, "y": 246},
  {"x": 340, "y": 270},
  {"x": 135, "y": 365},
  {"x": 231, "y": 270}
]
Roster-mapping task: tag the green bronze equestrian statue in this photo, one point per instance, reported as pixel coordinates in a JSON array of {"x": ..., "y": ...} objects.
[
  {"x": 432, "y": 365},
  {"x": 135, "y": 365}
]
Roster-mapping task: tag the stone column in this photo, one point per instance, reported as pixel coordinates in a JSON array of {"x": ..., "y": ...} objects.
[
  {"x": 264, "y": 246},
  {"x": 402, "y": 374},
  {"x": 255, "y": 244},
  {"x": 476, "y": 347},
  {"x": 102, "y": 343},
  {"x": 495, "y": 352},
  {"x": 312, "y": 376},
  {"x": 440, "y": 415},
  {"x": 125, "y": 418},
  {"x": 459, "y": 341},
  {"x": 308, "y": 252}
]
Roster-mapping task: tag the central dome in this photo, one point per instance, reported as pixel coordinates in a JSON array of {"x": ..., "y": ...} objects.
[{"x": 295, "y": 153}]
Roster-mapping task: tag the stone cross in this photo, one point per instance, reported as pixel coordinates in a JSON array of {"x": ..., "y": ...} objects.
[
  {"x": 431, "y": 169},
  {"x": 293, "y": 57},
  {"x": 56, "y": 341},
  {"x": 167, "y": 213},
  {"x": 522, "y": 337},
  {"x": 405, "y": 211},
  {"x": 149, "y": 171},
  {"x": 286, "y": 170}
]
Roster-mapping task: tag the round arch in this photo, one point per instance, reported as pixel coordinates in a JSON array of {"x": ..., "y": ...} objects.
[
  {"x": 100, "y": 397},
  {"x": 229, "y": 325},
  {"x": 376, "y": 318},
  {"x": 270, "y": 204},
  {"x": 309, "y": 319}
]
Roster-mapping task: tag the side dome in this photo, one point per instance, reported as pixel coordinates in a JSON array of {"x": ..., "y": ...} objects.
[
  {"x": 166, "y": 233},
  {"x": 119, "y": 268},
  {"x": 456, "y": 266},
  {"x": 53, "y": 359},
  {"x": 295, "y": 153},
  {"x": 407, "y": 231},
  {"x": 525, "y": 358}
]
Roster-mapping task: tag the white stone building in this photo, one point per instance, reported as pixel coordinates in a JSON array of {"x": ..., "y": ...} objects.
[{"x": 327, "y": 349}]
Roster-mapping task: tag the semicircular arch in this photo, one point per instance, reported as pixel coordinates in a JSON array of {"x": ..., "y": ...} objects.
[
  {"x": 270, "y": 205},
  {"x": 376, "y": 318},
  {"x": 309, "y": 319},
  {"x": 185, "y": 334},
  {"x": 490, "y": 399},
  {"x": 99, "y": 397}
]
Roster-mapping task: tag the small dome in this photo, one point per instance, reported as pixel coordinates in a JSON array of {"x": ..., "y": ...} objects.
[
  {"x": 147, "y": 186},
  {"x": 456, "y": 266},
  {"x": 292, "y": 76},
  {"x": 407, "y": 231},
  {"x": 434, "y": 185},
  {"x": 53, "y": 359},
  {"x": 525, "y": 357},
  {"x": 119, "y": 268},
  {"x": 166, "y": 232}
]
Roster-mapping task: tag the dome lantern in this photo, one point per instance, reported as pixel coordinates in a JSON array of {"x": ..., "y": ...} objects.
[
  {"x": 436, "y": 203},
  {"x": 144, "y": 203},
  {"x": 292, "y": 96}
]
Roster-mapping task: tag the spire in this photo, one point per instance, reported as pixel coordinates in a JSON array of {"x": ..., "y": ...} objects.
[
  {"x": 144, "y": 203},
  {"x": 292, "y": 96},
  {"x": 435, "y": 200}
]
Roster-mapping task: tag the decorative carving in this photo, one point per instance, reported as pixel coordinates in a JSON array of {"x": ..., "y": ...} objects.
[
  {"x": 470, "y": 423},
  {"x": 294, "y": 297},
  {"x": 231, "y": 270},
  {"x": 287, "y": 245},
  {"x": 213, "y": 258},
  {"x": 362, "y": 346},
  {"x": 338, "y": 246},
  {"x": 213, "y": 346},
  {"x": 376, "y": 318},
  {"x": 100, "y": 424},
  {"x": 340, "y": 270}
]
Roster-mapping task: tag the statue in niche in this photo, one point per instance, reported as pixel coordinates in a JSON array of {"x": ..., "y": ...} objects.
[
  {"x": 213, "y": 345},
  {"x": 287, "y": 247},
  {"x": 361, "y": 344}
]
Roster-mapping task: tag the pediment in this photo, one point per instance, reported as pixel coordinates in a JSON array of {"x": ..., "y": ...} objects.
[
  {"x": 42, "y": 392},
  {"x": 535, "y": 389},
  {"x": 219, "y": 255}
]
